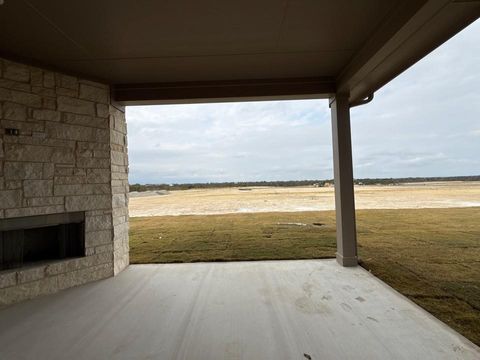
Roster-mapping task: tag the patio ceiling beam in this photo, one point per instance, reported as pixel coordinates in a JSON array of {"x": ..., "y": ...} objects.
[{"x": 224, "y": 91}]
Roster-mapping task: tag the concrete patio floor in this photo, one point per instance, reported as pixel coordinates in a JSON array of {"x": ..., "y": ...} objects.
[{"x": 240, "y": 310}]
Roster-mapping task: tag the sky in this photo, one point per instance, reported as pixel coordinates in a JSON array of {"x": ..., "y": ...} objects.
[{"x": 426, "y": 122}]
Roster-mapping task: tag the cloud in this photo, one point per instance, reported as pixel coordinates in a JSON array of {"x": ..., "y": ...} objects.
[{"x": 426, "y": 122}]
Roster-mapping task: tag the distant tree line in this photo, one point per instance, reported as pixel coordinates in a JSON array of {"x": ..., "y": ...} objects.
[
  {"x": 289, "y": 183},
  {"x": 394, "y": 181}
]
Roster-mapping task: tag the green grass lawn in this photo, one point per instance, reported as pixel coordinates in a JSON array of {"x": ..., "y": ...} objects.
[{"x": 430, "y": 255}]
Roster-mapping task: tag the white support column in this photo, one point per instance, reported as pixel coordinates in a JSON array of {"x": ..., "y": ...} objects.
[{"x": 343, "y": 175}]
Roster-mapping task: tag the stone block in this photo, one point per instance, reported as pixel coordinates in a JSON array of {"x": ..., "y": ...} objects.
[
  {"x": 66, "y": 81},
  {"x": 66, "y": 92},
  {"x": 93, "y": 93},
  {"x": 36, "y": 77},
  {"x": 84, "y": 153},
  {"x": 45, "y": 141},
  {"x": 29, "y": 290},
  {"x": 120, "y": 124},
  {"x": 102, "y": 258},
  {"x": 22, "y": 170},
  {"x": 67, "y": 265},
  {"x": 14, "y": 85},
  {"x": 40, "y": 135},
  {"x": 116, "y": 182},
  {"x": 98, "y": 212},
  {"x": 101, "y": 154},
  {"x": 120, "y": 231},
  {"x": 121, "y": 260},
  {"x": 10, "y": 199},
  {"x": 79, "y": 172},
  {"x": 70, "y": 132},
  {"x": 117, "y": 220},
  {"x": 119, "y": 175},
  {"x": 38, "y": 153},
  {"x": 93, "y": 146},
  {"x": 49, "y": 115},
  {"x": 12, "y": 111},
  {"x": 13, "y": 184},
  {"x": 70, "y": 179},
  {"x": 76, "y": 106},
  {"x": 37, "y": 188},
  {"x": 81, "y": 189},
  {"x": 118, "y": 200},
  {"x": 85, "y": 120},
  {"x": 118, "y": 158},
  {"x": 43, "y": 91},
  {"x": 95, "y": 163},
  {"x": 98, "y": 237},
  {"x": 98, "y": 176},
  {"x": 55, "y": 268},
  {"x": 121, "y": 211},
  {"x": 8, "y": 279},
  {"x": 49, "y": 103},
  {"x": 108, "y": 248},
  {"x": 20, "y": 97},
  {"x": 45, "y": 201},
  {"x": 49, "y": 79},
  {"x": 32, "y": 211},
  {"x": 119, "y": 189},
  {"x": 87, "y": 202},
  {"x": 17, "y": 72},
  {"x": 102, "y": 136},
  {"x": 63, "y": 170},
  {"x": 117, "y": 137},
  {"x": 102, "y": 110},
  {"x": 120, "y": 169},
  {"x": 30, "y": 274},
  {"x": 48, "y": 170},
  {"x": 100, "y": 222},
  {"x": 83, "y": 276}
]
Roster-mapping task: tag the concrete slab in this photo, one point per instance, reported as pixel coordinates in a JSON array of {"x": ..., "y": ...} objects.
[{"x": 242, "y": 310}]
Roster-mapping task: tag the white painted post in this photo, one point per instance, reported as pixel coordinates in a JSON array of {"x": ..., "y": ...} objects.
[{"x": 343, "y": 176}]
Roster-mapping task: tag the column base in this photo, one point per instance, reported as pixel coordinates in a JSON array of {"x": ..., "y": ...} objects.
[{"x": 347, "y": 261}]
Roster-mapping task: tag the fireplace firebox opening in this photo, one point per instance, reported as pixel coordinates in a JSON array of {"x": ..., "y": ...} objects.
[{"x": 32, "y": 239}]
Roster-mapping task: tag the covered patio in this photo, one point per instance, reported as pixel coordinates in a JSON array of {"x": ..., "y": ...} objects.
[
  {"x": 301, "y": 309},
  {"x": 66, "y": 74}
]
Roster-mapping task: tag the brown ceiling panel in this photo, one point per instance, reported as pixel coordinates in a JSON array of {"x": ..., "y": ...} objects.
[
  {"x": 126, "y": 28},
  {"x": 26, "y": 34},
  {"x": 331, "y": 25},
  {"x": 228, "y": 67}
]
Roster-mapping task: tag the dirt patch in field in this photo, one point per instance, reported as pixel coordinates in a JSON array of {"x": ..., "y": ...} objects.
[{"x": 292, "y": 199}]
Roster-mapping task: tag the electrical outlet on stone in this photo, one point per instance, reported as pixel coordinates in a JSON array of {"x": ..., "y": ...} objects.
[{"x": 12, "y": 131}]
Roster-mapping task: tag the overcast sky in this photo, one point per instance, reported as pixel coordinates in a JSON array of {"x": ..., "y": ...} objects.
[{"x": 426, "y": 122}]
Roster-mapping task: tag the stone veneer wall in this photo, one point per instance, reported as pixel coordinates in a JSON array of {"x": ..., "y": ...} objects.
[{"x": 71, "y": 155}]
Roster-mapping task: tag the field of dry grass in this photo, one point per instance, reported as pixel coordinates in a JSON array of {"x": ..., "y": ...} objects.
[
  {"x": 307, "y": 198},
  {"x": 430, "y": 255}
]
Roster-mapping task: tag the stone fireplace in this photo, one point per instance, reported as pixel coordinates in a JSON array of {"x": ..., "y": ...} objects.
[{"x": 63, "y": 182}]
